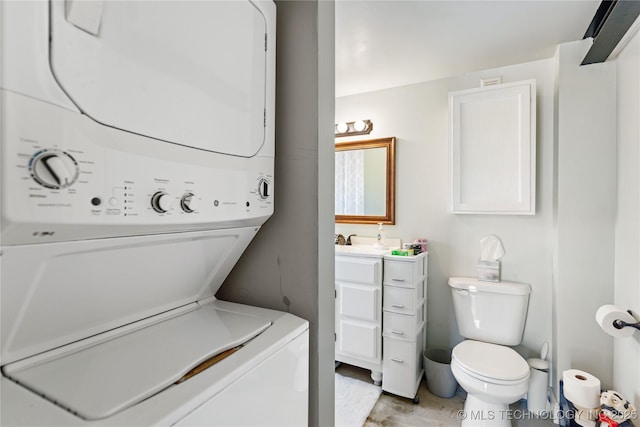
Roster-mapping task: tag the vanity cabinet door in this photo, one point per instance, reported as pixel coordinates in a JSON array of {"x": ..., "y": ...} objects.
[
  {"x": 358, "y": 302},
  {"x": 359, "y": 340},
  {"x": 358, "y": 321},
  {"x": 358, "y": 308}
]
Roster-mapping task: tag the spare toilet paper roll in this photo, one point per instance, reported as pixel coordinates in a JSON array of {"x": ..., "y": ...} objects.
[
  {"x": 607, "y": 314},
  {"x": 581, "y": 388}
]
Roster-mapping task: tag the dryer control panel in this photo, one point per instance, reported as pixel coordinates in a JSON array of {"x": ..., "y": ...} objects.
[{"x": 69, "y": 178}]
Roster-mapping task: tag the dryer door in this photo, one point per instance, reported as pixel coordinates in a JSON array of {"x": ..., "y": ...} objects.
[{"x": 187, "y": 72}]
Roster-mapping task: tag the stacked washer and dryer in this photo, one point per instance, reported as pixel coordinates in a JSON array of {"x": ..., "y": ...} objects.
[{"x": 137, "y": 149}]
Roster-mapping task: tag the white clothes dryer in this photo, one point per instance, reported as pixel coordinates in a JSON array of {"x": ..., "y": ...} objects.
[{"x": 137, "y": 150}]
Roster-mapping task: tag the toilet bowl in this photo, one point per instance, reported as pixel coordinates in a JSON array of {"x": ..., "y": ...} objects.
[
  {"x": 494, "y": 376},
  {"x": 491, "y": 316}
]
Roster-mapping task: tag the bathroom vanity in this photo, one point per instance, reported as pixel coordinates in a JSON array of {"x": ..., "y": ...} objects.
[{"x": 380, "y": 311}]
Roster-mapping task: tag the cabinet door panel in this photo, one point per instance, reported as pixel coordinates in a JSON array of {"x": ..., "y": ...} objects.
[
  {"x": 359, "y": 270},
  {"x": 493, "y": 149},
  {"x": 359, "y": 302},
  {"x": 359, "y": 340}
]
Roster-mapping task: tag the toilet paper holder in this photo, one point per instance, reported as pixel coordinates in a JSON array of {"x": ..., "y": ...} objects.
[{"x": 619, "y": 324}]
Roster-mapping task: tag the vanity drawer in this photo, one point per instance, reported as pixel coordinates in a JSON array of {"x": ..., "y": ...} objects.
[
  {"x": 401, "y": 326},
  {"x": 401, "y": 300},
  {"x": 359, "y": 270},
  {"x": 404, "y": 272}
]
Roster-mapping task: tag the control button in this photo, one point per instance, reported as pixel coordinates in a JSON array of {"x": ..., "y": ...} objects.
[
  {"x": 53, "y": 169},
  {"x": 189, "y": 202},
  {"x": 96, "y": 201},
  {"x": 161, "y": 202},
  {"x": 263, "y": 188},
  {"x": 113, "y": 201}
]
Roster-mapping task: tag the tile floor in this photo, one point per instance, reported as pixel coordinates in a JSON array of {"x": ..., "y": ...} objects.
[{"x": 394, "y": 411}]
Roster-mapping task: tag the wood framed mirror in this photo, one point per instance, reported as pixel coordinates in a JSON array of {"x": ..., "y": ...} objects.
[{"x": 365, "y": 179}]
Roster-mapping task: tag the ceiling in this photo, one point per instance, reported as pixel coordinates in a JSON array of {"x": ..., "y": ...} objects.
[{"x": 388, "y": 43}]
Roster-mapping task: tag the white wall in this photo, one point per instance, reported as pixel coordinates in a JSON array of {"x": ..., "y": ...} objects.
[
  {"x": 565, "y": 251},
  {"x": 290, "y": 264},
  {"x": 626, "y": 352},
  {"x": 585, "y": 210}
]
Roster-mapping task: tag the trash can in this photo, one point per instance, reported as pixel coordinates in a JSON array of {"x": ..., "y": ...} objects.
[{"x": 437, "y": 370}]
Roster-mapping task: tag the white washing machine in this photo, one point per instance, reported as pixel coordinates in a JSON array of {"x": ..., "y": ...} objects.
[{"x": 137, "y": 149}]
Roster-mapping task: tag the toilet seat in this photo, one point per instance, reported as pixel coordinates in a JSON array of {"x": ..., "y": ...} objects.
[{"x": 491, "y": 363}]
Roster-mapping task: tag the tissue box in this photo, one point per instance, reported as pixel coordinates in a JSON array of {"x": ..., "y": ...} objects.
[{"x": 488, "y": 271}]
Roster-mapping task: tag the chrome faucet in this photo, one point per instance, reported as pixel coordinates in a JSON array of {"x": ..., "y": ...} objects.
[
  {"x": 340, "y": 240},
  {"x": 349, "y": 239}
]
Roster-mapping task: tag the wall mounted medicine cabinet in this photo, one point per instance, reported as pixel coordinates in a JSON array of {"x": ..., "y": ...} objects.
[{"x": 493, "y": 149}]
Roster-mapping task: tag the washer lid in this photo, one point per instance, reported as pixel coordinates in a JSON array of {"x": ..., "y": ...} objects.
[
  {"x": 101, "y": 380},
  {"x": 492, "y": 362},
  {"x": 192, "y": 73}
]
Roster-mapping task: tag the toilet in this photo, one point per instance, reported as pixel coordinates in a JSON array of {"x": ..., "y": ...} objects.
[{"x": 491, "y": 316}]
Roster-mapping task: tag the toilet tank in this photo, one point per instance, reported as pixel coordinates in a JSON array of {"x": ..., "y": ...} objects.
[{"x": 490, "y": 312}]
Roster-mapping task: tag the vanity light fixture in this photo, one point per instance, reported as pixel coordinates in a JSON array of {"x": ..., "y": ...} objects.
[{"x": 359, "y": 127}]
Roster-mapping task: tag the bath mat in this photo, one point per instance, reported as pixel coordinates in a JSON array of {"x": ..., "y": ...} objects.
[{"x": 354, "y": 401}]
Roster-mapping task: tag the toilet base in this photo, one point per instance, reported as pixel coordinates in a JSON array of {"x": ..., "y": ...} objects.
[{"x": 478, "y": 413}]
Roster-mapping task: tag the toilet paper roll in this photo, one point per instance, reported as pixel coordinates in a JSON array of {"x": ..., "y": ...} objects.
[
  {"x": 581, "y": 388},
  {"x": 607, "y": 314}
]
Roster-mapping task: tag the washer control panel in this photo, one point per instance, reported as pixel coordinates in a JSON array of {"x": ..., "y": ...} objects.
[
  {"x": 99, "y": 176},
  {"x": 59, "y": 182}
]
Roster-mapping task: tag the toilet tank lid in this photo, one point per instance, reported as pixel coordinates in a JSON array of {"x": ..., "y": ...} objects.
[{"x": 474, "y": 285}]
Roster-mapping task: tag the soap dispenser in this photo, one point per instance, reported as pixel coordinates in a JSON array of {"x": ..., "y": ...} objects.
[{"x": 380, "y": 240}]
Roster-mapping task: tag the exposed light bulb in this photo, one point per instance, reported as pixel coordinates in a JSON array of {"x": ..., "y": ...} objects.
[
  {"x": 359, "y": 125},
  {"x": 342, "y": 127}
]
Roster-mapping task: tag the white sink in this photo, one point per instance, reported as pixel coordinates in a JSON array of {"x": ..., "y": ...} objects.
[{"x": 361, "y": 250}]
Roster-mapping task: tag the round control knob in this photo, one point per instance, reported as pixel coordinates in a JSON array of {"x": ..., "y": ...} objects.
[
  {"x": 53, "y": 169},
  {"x": 189, "y": 202},
  {"x": 161, "y": 202},
  {"x": 263, "y": 188}
]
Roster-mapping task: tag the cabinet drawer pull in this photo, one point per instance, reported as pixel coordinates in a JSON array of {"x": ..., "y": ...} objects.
[
  {"x": 397, "y": 360},
  {"x": 397, "y": 305},
  {"x": 397, "y": 332},
  {"x": 398, "y": 280}
]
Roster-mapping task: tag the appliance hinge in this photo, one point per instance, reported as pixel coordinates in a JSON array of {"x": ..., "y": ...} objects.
[
  {"x": 335, "y": 293},
  {"x": 264, "y": 116},
  {"x": 335, "y": 337},
  {"x": 265, "y": 42}
]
